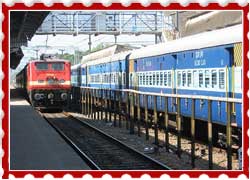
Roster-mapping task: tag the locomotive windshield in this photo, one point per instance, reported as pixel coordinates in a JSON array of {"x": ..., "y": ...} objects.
[
  {"x": 52, "y": 66},
  {"x": 42, "y": 66},
  {"x": 57, "y": 66}
]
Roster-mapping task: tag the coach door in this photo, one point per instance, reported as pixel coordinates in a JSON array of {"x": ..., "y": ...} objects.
[
  {"x": 120, "y": 75},
  {"x": 135, "y": 77}
]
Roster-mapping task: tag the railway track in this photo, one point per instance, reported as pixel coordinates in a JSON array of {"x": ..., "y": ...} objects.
[{"x": 99, "y": 150}]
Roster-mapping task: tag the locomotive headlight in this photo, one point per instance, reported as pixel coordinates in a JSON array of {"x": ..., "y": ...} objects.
[
  {"x": 50, "y": 96},
  {"x": 37, "y": 96},
  {"x": 64, "y": 96}
]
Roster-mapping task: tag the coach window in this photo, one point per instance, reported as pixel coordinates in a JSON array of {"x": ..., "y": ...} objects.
[
  {"x": 124, "y": 78},
  {"x": 41, "y": 66},
  {"x": 221, "y": 79},
  {"x": 143, "y": 78},
  {"x": 189, "y": 79},
  {"x": 116, "y": 77},
  {"x": 57, "y": 66},
  {"x": 130, "y": 79},
  {"x": 147, "y": 79},
  {"x": 150, "y": 79},
  {"x": 195, "y": 79},
  {"x": 157, "y": 78},
  {"x": 169, "y": 79},
  {"x": 201, "y": 79},
  {"x": 207, "y": 79},
  {"x": 161, "y": 78},
  {"x": 154, "y": 79},
  {"x": 178, "y": 79},
  {"x": 214, "y": 78},
  {"x": 104, "y": 78},
  {"x": 165, "y": 78},
  {"x": 109, "y": 78},
  {"x": 140, "y": 78},
  {"x": 184, "y": 79}
]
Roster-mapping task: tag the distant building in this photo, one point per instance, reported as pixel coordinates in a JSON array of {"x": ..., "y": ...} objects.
[{"x": 193, "y": 22}]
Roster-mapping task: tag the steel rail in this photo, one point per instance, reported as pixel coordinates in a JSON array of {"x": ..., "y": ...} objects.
[
  {"x": 86, "y": 159},
  {"x": 129, "y": 148}
]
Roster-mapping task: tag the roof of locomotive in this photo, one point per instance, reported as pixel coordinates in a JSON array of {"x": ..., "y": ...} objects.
[
  {"x": 218, "y": 37},
  {"x": 49, "y": 60}
]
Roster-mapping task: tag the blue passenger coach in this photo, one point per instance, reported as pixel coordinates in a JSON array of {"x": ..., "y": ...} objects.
[
  {"x": 206, "y": 64},
  {"x": 108, "y": 72}
]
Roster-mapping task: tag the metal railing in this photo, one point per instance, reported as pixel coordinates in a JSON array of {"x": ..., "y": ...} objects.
[{"x": 97, "y": 104}]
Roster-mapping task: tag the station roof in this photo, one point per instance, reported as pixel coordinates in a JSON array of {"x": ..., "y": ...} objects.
[{"x": 23, "y": 25}]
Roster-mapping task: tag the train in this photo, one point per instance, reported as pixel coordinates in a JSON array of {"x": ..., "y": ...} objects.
[
  {"x": 46, "y": 83},
  {"x": 206, "y": 64}
]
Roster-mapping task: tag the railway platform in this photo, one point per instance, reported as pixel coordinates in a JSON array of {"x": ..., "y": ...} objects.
[{"x": 34, "y": 144}]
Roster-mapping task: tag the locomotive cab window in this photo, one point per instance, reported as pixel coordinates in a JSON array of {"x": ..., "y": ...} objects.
[
  {"x": 42, "y": 66},
  {"x": 57, "y": 66}
]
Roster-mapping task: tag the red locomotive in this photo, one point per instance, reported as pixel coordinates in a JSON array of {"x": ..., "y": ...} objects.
[{"x": 47, "y": 82}]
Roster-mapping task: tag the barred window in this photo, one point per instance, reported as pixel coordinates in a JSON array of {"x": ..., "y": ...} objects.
[
  {"x": 201, "y": 79},
  {"x": 157, "y": 78},
  {"x": 140, "y": 78},
  {"x": 169, "y": 79},
  {"x": 189, "y": 79},
  {"x": 184, "y": 80},
  {"x": 147, "y": 80},
  {"x": 161, "y": 78},
  {"x": 96, "y": 78},
  {"x": 221, "y": 79},
  {"x": 144, "y": 79},
  {"x": 165, "y": 78},
  {"x": 112, "y": 78},
  {"x": 124, "y": 78},
  {"x": 100, "y": 78},
  {"x": 109, "y": 78},
  {"x": 207, "y": 79},
  {"x": 131, "y": 79},
  {"x": 214, "y": 78},
  {"x": 179, "y": 79},
  {"x": 150, "y": 79}
]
